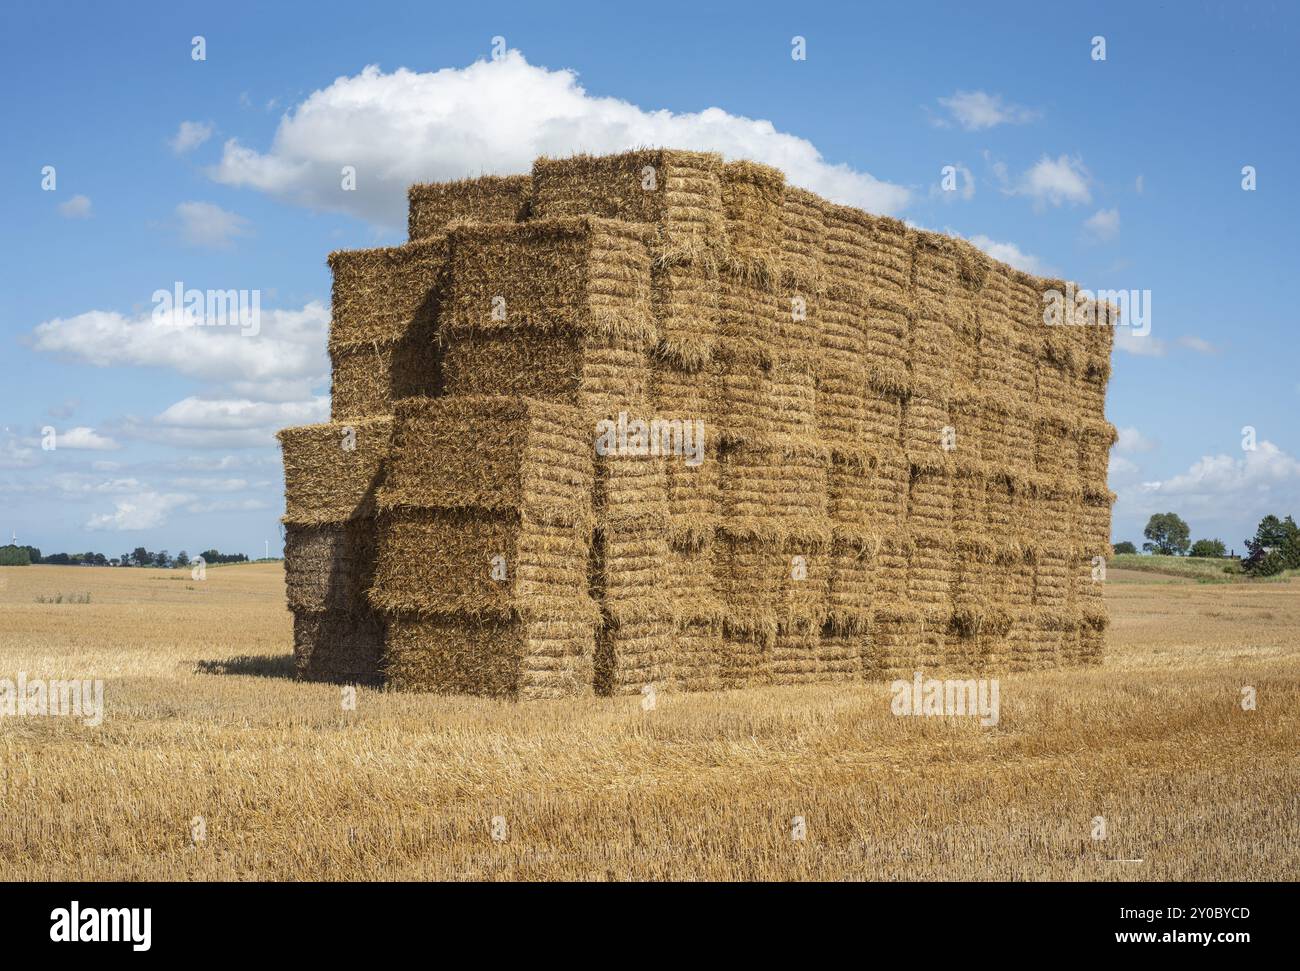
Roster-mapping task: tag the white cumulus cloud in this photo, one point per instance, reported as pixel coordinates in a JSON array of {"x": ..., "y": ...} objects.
[
  {"x": 82, "y": 437},
  {"x": 495, "y": 117},
  {"x": 1011, "y": 254},
  {"x": 143, "y": 510},
  {"x": 1103, "y": 224}
]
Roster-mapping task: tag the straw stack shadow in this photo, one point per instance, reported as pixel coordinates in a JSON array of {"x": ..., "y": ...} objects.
[{"x": 905, "y": 467}]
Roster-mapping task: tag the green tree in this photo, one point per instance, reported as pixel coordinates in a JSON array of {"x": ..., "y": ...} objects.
[
  {"x": 141, "y": 556},
  {"x": 1208, "y": 547},
  {"x": 1125, "y": 547},
  {"x": 182, "y": 558},
  {"x": 14, "y": 556},
  {"x": 1167, "y": 534}
]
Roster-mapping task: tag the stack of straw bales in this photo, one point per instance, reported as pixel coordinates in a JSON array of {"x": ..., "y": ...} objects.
[{"x": 903, "y": 466}]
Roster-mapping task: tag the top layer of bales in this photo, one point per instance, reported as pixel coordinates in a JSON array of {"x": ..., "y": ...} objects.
[{"x": 492, "y": 198}]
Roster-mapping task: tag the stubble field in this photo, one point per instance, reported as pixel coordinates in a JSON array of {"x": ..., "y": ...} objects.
[{"x": 205, "y": 732}]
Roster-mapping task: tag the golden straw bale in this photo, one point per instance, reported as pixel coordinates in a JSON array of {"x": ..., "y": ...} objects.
[
  {"x": 743, "y": 661},
  {"x": 633, "y": 656},
  {"x": 632, "y": 491},
  {"x": 697, "y": 657},
  {"x": 890, "y": 487},
  {"x": 493, "y": 656},
  {"x": 927, "y": 427},
  {"x": 601, "y": 375},
  {"x": 627, "y": 575},
  {"x": 678, "y": 193},
  {"x": 686, "y": 299},
  {"x": 852, "y": 490},
  {"x": 752, "y": 199},
  {"x": 744, "y": 407},
  {"x": 489, "y": 198},
  {"x": 478, "y": 564},
  {"x": 690, "y": 585},
  {"x": 794, "y": 393},
  {"x": 338, "y": 645},
  {"x": 329, "y": 567},
  {"x": 575, "y": 275},
  {"x": 803, "y": 241},
  {"x": 749, "y": 576},
  {"x": 849, "y": 248},
  {"x": 794, "y": 658},
  {"x": 333, "y": 470},
  {"x": 852, "y": 589},
  {"x": 776, "y": 493},
  {"x": 494, "y": 454},
  {"x": 886, "y": 347},
  {"x": 798, "y": 314},
  {"x": 842, "y": 335},
  {"x": 748, "y": 324},
  {"x": 900, "y": 644},
  {"x": 371, "y": 376},
  {"x": 804, "y": 594},
  {"x": 379, "y": 293}
]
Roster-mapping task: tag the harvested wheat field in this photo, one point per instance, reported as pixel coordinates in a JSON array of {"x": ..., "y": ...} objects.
[{"x": 204, "y": 723}]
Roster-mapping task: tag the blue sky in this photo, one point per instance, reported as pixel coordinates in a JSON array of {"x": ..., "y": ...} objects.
[{"x": 222, "y": 173}]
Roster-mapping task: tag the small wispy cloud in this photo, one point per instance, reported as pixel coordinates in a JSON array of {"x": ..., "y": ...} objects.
[
  {"x": 1011, "y": 254},
  {"x": 78, "y": 207},
  {"x": 190, "y": 136},
  {"x": 207, "y": 224},
  {"x": 978, "y": 110},
  {"x": 1102, "y": 225},
  {"x": 1056, "y": 181},
  {"x": 1131, "y": 440},
  {"x": 1198, "y": 344}
]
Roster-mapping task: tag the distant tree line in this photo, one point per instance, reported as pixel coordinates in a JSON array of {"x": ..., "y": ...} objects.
[
  {"x": 1274, "y": 547},
  {"x": 12, "y": 555}
]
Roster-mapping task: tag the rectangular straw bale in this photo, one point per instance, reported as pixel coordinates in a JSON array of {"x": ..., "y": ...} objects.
[
  {"x": 890, "y": 487},
  {"x": 891, "y": 566},
  {"x": 1059, "y": 509},
  {"x": 849, "y": 245},
  {"x": 370, "y": 376},
  {"x": 893, "y": 251},
  {"x": 744, "y": 660},
  {"x": 900, "y": 644},
  {"x": 1032, "y": 647},
  {"x": 840, "y": 656},
  {"x": 633, "y": 656},
  {"x": 884, "y": 421},
  {"x": 1087, "y": 589},
  {"x": 379, "y": 293},
  {"x": 794, "y": 658},
  {"x": 678, "y": 193},
  {"x": 929, "y": 501},
  {"x": 965, "y": 414},
  {"x": 601, "y": 375},
  {"x": 697, "y": 658},
  {"x": 798, "y": 315},
  {"x": 479, "y": 564},
  {"x": 333, "y": 470},
  {"x": 794, "y": 390},
  {"x": 495, "y": 454},
  {"x": 969, "y": 516},
  {"x": 749, "y": 576},
  {"x": 1090, "y": 396},
  {"x": 1055, "y": 386},
  {"x": 1095, "y": 440},
  {"x": 927, "y": 424},
  {"x": 694, "y": 499},
  {"x": 686, "y": 299},
  {"x": 1019, "y": 583},
  {"x": 776, "y": 493},
  {"x": 804, "y": 594},
  {"x": 1092, "y": 528},
  {"x": 1020, "y": 456},
  {"x": 744, "y": 404},
  {"x": 851, "y": 494},
  {"x": 1100, "y": 337},
  {"x": 489, "y": 198},
  {"x": 632, "y": 491},
  {"x": 842, "y": 336},
  {"x": 749, "y": 322},
  {"x": 843, "y": 414},
  {"x": 690, "y": 585},
  {"x": 574, "y": 275},
  {"x": 338, "y": 645},
  {"x": 1055, "y": 449},
  {"x": 753, "y": 197},
  {"x": 852, "y": 590},
  {"x": 627, "y": 575},
  {"x": 803, "y": 241},
  {"x": 886, "y": 347},
  {"x": 493, "y": 656},
  {"x": 329, "y": 567},
  {"x": 1092, "y": 646},
  {"x": 1052, "y": 579},
  {"x": 931, "y": 573},
  {"x": 994, "y": 429}
]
